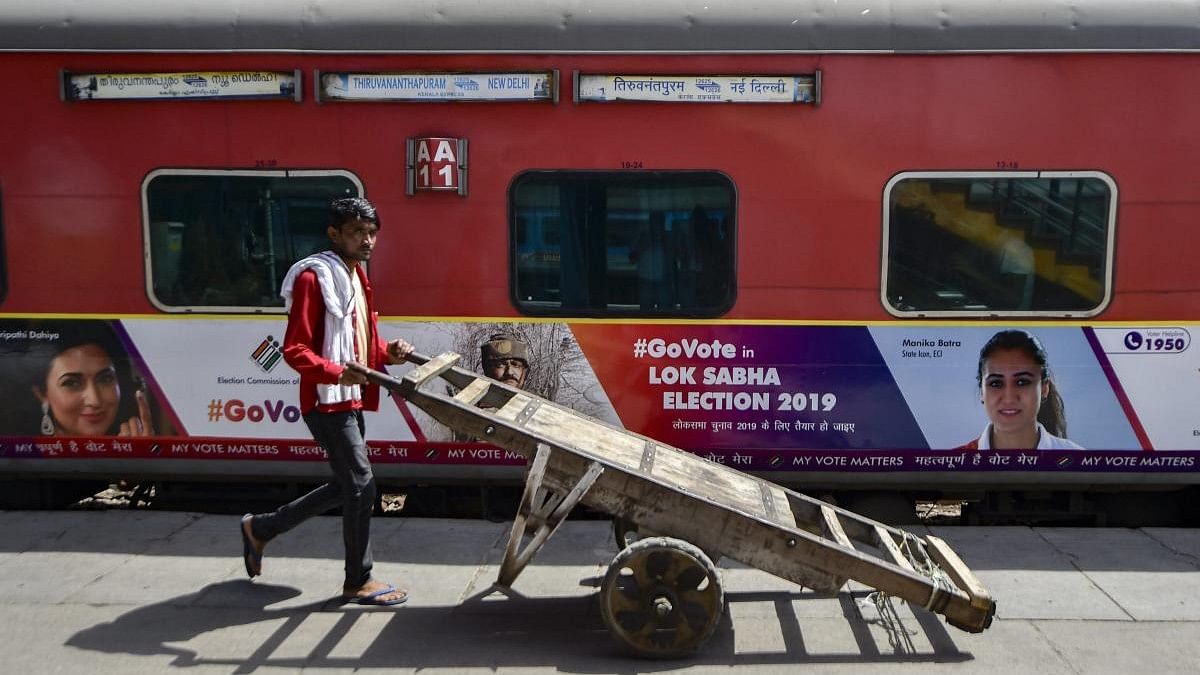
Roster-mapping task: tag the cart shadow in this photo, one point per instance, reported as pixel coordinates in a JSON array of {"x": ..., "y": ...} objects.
[
  {"x": 489, "y": 630},
  {"x": 874, "y": 639}
]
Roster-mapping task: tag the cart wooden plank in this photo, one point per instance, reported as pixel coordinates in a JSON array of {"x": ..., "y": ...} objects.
[
  {"x": 886, "y": 544},
  {"x": 833, "y": 527},
  {"x": 471, "y": 394},
  {"x": 681, "y": 471},
  {"x": 959, "y": 572}
]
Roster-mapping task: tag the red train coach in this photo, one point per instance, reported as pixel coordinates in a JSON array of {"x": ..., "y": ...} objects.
[{"x": 779, "y": 236}]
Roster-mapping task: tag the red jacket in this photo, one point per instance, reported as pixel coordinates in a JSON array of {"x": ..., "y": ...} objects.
[{"x": 305, "y": 335}]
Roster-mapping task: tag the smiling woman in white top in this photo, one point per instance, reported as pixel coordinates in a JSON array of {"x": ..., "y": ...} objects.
[{"x": 1024, "y": 409}]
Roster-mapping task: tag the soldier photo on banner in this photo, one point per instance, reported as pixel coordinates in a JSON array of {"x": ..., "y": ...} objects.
[{"x": 541, "y": 358}]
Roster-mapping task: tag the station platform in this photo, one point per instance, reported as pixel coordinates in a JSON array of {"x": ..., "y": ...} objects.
[{"x": 134, "y": 591}]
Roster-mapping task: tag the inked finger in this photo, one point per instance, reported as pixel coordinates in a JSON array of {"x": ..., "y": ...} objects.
[{"x": 145, "y": 422}]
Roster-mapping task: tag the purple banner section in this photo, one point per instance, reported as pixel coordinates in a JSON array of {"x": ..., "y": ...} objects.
[
  {"x": 757, "y": 460},
  {"x": 724, "y": 387},
  {"x": 870, "y": 461},
  {"x": 226, "y": 449}
]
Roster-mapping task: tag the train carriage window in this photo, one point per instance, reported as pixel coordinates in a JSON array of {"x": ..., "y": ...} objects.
[
  {"x": 222, "y": 240},
  {"x": 998, "y": 244},
  {"x": 623, "y": 243}
]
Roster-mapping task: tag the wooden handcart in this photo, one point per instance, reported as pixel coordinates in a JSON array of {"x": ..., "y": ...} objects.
[{"x": 662, "y": 595}]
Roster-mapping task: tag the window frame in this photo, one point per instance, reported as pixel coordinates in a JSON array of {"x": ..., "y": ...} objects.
[
  {"x": 634, "y": 313},
  {"x": 973, "y": 314},
  {"x": 258, "y": 173}
]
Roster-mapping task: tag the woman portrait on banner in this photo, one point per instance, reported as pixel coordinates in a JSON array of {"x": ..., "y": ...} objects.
[
  {"x": 1023, "y": 406},
  {"x": 80, "y": 382}
]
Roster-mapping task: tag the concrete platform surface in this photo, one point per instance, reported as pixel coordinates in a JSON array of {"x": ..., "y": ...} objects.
[{"x": 150, "y": 592}]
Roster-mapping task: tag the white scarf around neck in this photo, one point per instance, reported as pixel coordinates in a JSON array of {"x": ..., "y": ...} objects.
[{"x": 337, "y": 289}]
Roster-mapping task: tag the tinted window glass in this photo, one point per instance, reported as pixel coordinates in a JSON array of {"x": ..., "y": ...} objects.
[
  {"x": 225, "y": 241},
  {"x": 998, "y": 244},
  {"x": 623, "y": 243}
]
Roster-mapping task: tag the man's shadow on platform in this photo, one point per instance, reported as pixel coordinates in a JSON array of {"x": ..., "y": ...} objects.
[
  {"x": 149, "y": 630},
  {"x": 514, "y": 631}
]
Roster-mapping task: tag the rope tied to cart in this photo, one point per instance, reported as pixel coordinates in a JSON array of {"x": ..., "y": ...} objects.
[
  {"x": 899, "y": 637},
  {"x": 942, "y": 584}
]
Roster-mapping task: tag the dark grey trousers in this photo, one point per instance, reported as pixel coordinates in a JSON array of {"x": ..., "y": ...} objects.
[{"x": 352, "y": 488}]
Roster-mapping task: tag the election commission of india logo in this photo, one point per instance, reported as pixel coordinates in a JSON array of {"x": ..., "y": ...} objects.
[{"x": 267, "y": 354}]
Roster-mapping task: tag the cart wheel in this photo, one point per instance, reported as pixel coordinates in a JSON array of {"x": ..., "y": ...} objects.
[
  {"x": 625, "y": 532},
  {"x": 662, "y": 597}
]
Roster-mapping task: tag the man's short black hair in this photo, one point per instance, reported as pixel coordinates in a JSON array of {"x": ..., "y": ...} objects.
[{"x": 350, "y": 209}]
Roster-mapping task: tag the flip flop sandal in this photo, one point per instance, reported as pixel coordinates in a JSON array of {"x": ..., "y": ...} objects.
[{"x": 374, "y": 598}]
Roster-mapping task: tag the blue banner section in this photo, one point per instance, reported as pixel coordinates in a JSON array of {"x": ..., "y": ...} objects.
[{"x": 937, "y": 369}]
